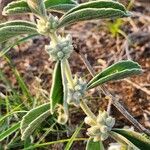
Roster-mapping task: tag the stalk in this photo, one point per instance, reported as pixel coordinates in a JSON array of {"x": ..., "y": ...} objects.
[{"x": 87, "y": 110}]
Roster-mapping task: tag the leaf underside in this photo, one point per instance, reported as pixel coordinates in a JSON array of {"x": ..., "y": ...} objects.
[{"x": 116, "y": 71}]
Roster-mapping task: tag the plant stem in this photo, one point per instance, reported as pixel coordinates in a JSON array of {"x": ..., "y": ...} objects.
[
  {"x": 114, "y": 101},
  {"x": 87, "y": 110},
  {"x": 54, "y": 37}
]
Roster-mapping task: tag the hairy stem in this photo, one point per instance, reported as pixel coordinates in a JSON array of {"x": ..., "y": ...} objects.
[
  {"x": 114, "y": 101},
  {"x": 87, "y": 110},
  {"x": 54, "y": 37}
]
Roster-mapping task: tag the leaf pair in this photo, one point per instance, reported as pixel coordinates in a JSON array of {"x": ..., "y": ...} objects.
[
  {"x": 33, "y": 119},
  {"x": 116, "y": 71},
  {"x": 137, "y": 139},
  {"x": 21, "y": 6},
  {"x": 99, "y": 9},
  {"x": 12, "y": 29}
]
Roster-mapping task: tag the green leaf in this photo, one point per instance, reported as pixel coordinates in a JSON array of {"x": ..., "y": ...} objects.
[
  {"x": 14, "y": 28},
  {"x": 5, "y": 50},
  {"x": 99, "y": 4},
  {"x": 33, "y": 119},
  {"x": 56, "y": 93},
  {"x": 116, "y": 71},
  {"x": 91, "y": 145},
  {"x": 9, "y": 131},
  {"x": 139, "y": 140},
  {"x": 21, "y": 6},
  {"x": 16, "y": 7},
  {"x": 99, "y": 9}
]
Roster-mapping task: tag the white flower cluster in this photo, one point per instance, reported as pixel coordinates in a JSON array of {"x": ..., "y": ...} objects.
[
  {"x": 75, "y": 94},
  {"x": 62, "y": 116},
  {"x": 100, "y": 127},
  {"x": 62, "y": 50},
  {"x": 47, "y": 26}
]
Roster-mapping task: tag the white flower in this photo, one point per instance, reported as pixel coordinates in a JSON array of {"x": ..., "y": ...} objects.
[
  {"x": 61, "y": 50},
  {"x": 75, "y": 94},
  {"x": 47, "y": 26},
  {"x": 100, "y": 127}
]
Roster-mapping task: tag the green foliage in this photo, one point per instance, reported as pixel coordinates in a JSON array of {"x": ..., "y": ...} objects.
[
  {"x": 140, "y": 141},
  {"x": 94, "y": 145},
  {"x": 56, "y": 94},
  {"x": 9, "y": 131},
  {"x": 114, "y": 27},
  {"x": 61, "y": 6},
  {"x": 21, "y": 6},
  {"x": 97, "y": 9},
  {"x": 33, "y": 119},
  {"x": 12, "y": 29},
  {"x": 116, "y": 71}
]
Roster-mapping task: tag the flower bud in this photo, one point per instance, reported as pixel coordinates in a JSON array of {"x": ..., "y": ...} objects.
[
  {"x": 61, "y": 50},
  {"x": 60, "y": 54},
  {"x": 104, "y": 129},
  {"x": 110, "y": 121},
  {"x": 94, "y": 130},
  {"x": 89, "y": 121},
  {"x": 97, "y": 138},
  {"x": 104, "y": 136}
]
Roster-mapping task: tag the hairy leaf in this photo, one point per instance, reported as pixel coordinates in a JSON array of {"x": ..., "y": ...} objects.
[
  {"x": 139, "y": 140},
  {"x": 9, "y": 131},
  {"x": 60, "y": 5},
  {"x": 14, "y": 28},
  {"x": 93, "y": 10},
  {"x": 34, "y": 124},
  {"x": 56, "y": 93},
  {"x": 33, "y": 118},
  {"x": 21, "y": 6},
  {"x": 99, "y": 4},
  {"x": 16, "y": 7},
  {"x": 94, "y": 145},
  {"x": 116, "y": 71}
]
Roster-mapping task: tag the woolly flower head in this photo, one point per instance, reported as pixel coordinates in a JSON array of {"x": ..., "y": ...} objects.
[
  {"x": 47, "y": 26},
  {"x": 77, "y": 92},
  {"x": 100, "y": 127},
  {"x": 62, "y": 49}
]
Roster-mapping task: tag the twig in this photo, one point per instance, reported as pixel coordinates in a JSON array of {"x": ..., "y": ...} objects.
[
  {"x": 114, "y": 101},
  {"x": 138, "y": 86}
]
